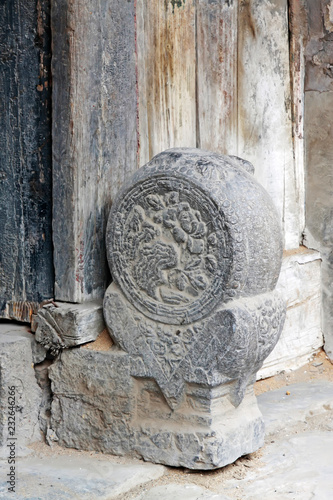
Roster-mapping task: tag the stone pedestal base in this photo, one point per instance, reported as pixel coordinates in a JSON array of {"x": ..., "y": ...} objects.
[
  {"x": 194, "y": 248},
  {"x": 205, "y": 432},
  {"x": 97, "y": 405}
]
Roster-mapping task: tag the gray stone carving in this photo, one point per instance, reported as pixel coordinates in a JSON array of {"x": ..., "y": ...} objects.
[
  {"x": 195, "y": 248},
  {"x": 20, "y": 396},
  {"x": 61, "y": 325}
]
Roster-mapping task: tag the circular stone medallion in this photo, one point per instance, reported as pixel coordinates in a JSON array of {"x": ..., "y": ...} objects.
[{"x": 169, "y": 249}]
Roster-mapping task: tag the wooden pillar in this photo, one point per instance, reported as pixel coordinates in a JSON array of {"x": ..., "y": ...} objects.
[
  {"x": 94, "y": 135},
  {"x": 298, "y": 32},
  {"x": 26, "y": 267},
  {"x": 217, "y": 75},
  {"x": 166, "y": 75},
  {"x": 319, "y": 151},
  {"x": 264, "y": 106}
]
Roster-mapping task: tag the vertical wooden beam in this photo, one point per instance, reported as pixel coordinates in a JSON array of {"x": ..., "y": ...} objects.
[
  {"x": 319, "y": 151},
  {"x": 217, "y": 75},
  {"x": 94, "y": 135},
  {"x": 319, "y": 196},
  {"x": 264, "y": 106},
  {"x": 298, "y": 35},
  {"x": 26, "y": 267},
  {"x": 166, "y": 75}
]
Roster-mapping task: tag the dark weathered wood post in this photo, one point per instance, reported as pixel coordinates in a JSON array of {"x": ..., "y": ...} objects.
[{"x": 26, "y": 267}]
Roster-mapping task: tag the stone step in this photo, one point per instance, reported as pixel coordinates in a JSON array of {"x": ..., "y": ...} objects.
[
  {"x": 61, "y": 325},
  {"x": 75, "y": 477},
  {"x": 292, "y": 405},
  {"x": 20, "y": 395}
]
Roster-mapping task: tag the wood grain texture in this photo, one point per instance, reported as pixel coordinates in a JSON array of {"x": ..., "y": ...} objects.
[
  {"x": 94, "y": 135},
  {"x": 217, "y": 75},
  {"x": 26, "y": 268},
  {"x": 237, "y": 57},
  {"x": 319, "y": 196},
  {"x": 264, "y": 106},
  {"x": 298, "y": 31},
  {"x": 166, "y": 75},
  {"x": 318, "y": 133}
]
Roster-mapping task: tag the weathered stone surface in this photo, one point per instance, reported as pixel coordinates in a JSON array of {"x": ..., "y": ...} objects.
[
  {"x": 75, "y": 477},
  {"x": 194, "y": 247},
  {"x": 42, "y": 377},
  {"x": 98, "y": 405},
  {"x": 38, "y": 352},
  {"x": 183, "y": 491},
  {"x": 61, "y": 325},
  {"x": 282, "y": 411},
  {"x": 224, "y": 239},
  {"x": 20, "y": 396},
  {"x": 92, "y": 400},
  {"x": 229, "y": 345},
  {"x": 299, "y": 467},
  {"x": 296, "y": 462}
]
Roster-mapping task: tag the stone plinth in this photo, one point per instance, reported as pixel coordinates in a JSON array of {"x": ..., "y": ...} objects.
[
  {"x": 20, "y": 396},
  {"x": 61, "y": 325},
  {"x": 194, "y": 247}
]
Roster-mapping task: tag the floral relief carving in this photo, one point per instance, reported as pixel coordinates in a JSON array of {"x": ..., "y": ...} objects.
[{"x": 169, "y": 248}]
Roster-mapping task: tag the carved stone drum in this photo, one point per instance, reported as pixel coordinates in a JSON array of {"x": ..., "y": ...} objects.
[{"x": 194, "y": 247}]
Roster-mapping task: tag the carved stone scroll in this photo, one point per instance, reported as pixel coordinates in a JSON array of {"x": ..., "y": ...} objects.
[{"x": 194, "y": 247}]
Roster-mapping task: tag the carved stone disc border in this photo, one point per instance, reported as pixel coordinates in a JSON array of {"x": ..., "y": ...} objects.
[{"x": 158, "y": 264}]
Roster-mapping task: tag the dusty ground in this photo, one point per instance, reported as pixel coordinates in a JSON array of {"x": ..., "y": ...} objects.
[
  {"x": 102, "y": 343},
  {"x": 319, "y": 367},
  {"x": 212, "y": 480}
]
